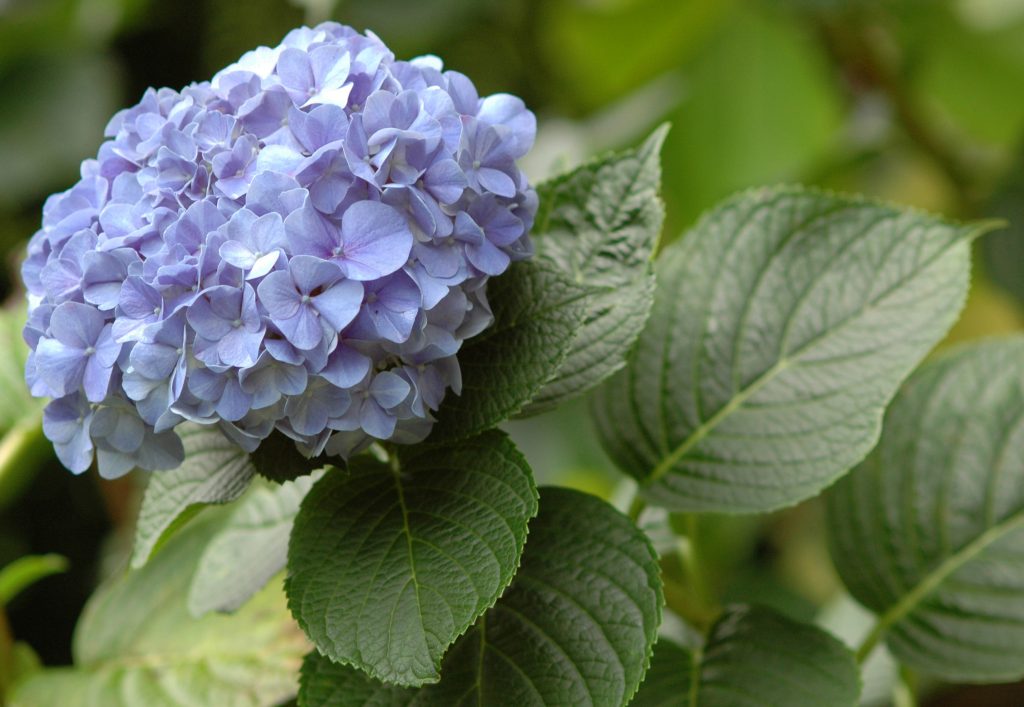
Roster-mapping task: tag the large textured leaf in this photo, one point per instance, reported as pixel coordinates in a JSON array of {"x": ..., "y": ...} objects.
[
  {"x": 215, "y": 471},
  {"x": 387, "y": 568},
  {"x": 754, "y": 657},
  {"x": 537, "y": 313},
  {"x": 250, "y": 549},
  {"x": 136, "y": 643},
  {"x": 600, "y": 224},
  {"x": 575, "y": 628},
  {"x": 782, "y": 326},
  {"x": 929, "y": 531}
]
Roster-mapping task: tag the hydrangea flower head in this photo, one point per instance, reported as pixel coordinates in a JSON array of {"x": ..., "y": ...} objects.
[{"x": 301, "y": 244}]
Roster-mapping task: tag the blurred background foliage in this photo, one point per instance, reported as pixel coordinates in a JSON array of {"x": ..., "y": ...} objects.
[{"x": 915, "y": 101}]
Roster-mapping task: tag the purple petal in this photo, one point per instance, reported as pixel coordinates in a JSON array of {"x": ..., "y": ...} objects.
[
  {"x": 346, "y": 367},
  {"x": 339, "y": 304},
  {"x": 496, "y": 182},
  {"x": 445, "y": 181},
  {"x": 59, "y": 366},
  {"x": 76, "y": 324},
  {"x": 376, "y": 240},
  {"x": 375, "y": 420},
  {"x": 278, "y": 294},
  {"x": 303, "y": 330},
  {"x": 389, "y": 389}
]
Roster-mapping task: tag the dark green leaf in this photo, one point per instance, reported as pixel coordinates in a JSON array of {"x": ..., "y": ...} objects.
[
  {"x": 600, "y": 224},
  {"x": 576, "y": 626},
  {"x": 537, "y": 313},
  {"x": 754, "y": 657},
  {"x": 929, "y": 531},
  {"x": 250, "y": 549},
  {"x": 278, "y": 460},
  {"x": 136, "y": 643},
  {"x": 782, "y": 326},
  {"x": 387, "y": 568},
  {"x": 215, "y": 471}
]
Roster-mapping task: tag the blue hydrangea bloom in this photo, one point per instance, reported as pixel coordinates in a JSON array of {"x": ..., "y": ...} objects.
[{"x": 301, "y": 244}]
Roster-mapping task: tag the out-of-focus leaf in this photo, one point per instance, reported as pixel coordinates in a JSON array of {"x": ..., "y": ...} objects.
[
  {"x": 753, "y": 658},
  {"x": 250, "y": 549},
  {"x": 1003, "y": 251},
  {"x": 22, "y": 445},
  {"x": 137, "y": 644},
  {"x": 215, "y": 471},
  {"x": 52, "y": 117},
  {"x": 973, "y": 74},
  {"x": 15, "y": 402},
  {"x": 762, "y": 107},
  {"x": 26, "y": 571},
  {"x": 592, "y": 45}
]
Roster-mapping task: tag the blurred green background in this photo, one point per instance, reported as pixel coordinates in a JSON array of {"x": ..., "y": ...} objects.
[{"x": 914, "y": 101}]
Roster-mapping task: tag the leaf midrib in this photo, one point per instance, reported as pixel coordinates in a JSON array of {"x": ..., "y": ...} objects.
[
  {"x": 934, "y": 579},
  {"x": 696, "y": 659},
  {"x": 782, "y": 364},
  {"x": 407, "y": 532}
]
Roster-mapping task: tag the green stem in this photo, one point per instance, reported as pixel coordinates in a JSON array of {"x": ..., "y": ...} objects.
[
  {"x": 636, "y": 507},
  {"x": 693, "y": 565},
  {"x": 871, "y": 641},
  {"x": 904, "y": 692}
]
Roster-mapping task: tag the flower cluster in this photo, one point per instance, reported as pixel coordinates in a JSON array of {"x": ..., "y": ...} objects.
[{"x": 300, "y": 244}]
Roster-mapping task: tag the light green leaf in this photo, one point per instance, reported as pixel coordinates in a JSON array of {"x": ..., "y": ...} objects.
[
  {"x": 754, "y": 657},
  {"x": 576, "y": 37},
  {"x": 929, "y": 531},
  {"x": 22, "y": 445},
  {"x": 761, "y": 105},
  {"x": 575, "y": 627},
  {"x": 600, "y": 224},
  {"x": 782, "y": 326},
  {"x": 387, "y": 568},
  {"x": 26, "y": 571},
  {"x": 537, "y": 313},
  {"x": 136, "y": 643},
  {"x": 215, "y": 471},
  {"x": 250, "y": 549},
  {"x": 16, "y": 403}
]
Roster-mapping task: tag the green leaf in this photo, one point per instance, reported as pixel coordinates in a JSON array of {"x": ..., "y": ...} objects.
[
  {"x": 754, "y": 657},
  {"x": 782, "y": 326},
  {"x": 576, "y": 37},
  {"x": 600, "y": 224},
  {"x": 26, "y": 571},
  {"x": 929, "y": 531},
  {"x": 777, "y": 117},
  {"x": 15, "y": 401},
  {"x": 136, "y": 643},
  {"x": 387, "y": 568},
  {"x": 22, "y": 444},
  {"x": 537, "y": 313},
  {"x": 250, "y": 549},
  {"x": 575, "y": 627},
  {"x": 215, "y": 471},
  {"x": 278, "y": 460}
]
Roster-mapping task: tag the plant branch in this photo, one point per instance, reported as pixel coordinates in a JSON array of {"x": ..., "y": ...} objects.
[{"x": 857, "y": 46}]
